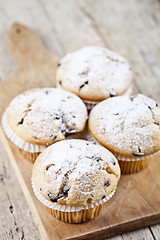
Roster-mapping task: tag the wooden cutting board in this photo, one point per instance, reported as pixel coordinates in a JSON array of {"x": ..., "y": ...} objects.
[{"x": 136, "y": 203}]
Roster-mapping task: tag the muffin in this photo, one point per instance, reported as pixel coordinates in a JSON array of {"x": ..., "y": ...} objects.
[
  {"x": 94, "y": 74},
  {"x": 40, "y": 117},
  {"x": 130, "y": 128},
  {"x": 74, "y": 178}
]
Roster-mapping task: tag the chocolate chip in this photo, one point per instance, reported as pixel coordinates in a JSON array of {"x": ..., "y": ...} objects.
[
  {"x": 52, "y": 198},
  {"x": 81, "y": 86},
  {"x": 57, "y": 118},
  {"x": 59, "y": 64},
  {"x": 138, "y": 154},
  {"x": 112, "y": 95},
  {"x": 103, "y": 196},
  {"x": 60, "y": 195},
  {"x": 139, "y": 149},
  {"x": 60, "y": 82},
  {"x": 107, "y": 183},
  {"x": 40, "y": 189},
  {"x": 65, "y": 190},
  {"x": 85, "y": 83},
  {"x": 157, "y": 104},
  {"x": 73, "y": 116},
  {"x": 113, "y": 161},
  {"x": 53, "y": 138},
  {"x": 149, "y": 107},
  {"x": 132, "y": 98},
  {"x": 21, "y": 122}
]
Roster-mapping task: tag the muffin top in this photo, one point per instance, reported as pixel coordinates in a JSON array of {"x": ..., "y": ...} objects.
[
  {"x": 44, "y": 116},
  {"x": 94, "y": 73},
  {"x": 127, "y": 125},
  {"x": 75, "y": 172}
]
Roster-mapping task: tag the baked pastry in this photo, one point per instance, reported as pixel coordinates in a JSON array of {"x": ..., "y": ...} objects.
[
  {"x": 130, "y": 128},
  {"x": 40, "y": 117},
  {"x": 94, "y": 74},
  {"x": 73, "y": 178}
]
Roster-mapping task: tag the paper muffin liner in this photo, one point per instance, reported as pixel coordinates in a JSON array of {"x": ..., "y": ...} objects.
[
  {"x": 132, "y": 165},
  {"x": 29, "y": 156},
  {"x": 71, "y": 214},
  {"x": 28, "y": 150},
  {"x": 90, "y": 104}
]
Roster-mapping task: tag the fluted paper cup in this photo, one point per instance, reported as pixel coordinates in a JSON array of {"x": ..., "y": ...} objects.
[
  {"x": 28, "y": 150},
  {"x": 71, "y": 214},
  {"x": 132, "y": 165}
]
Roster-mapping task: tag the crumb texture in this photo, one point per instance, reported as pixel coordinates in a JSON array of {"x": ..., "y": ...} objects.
[
  {"x": 44, "y": 116},
  {"x": 127, "y": 125},
  {"x": 94, "y": 73},
  {"x": 75, "y": 173}
]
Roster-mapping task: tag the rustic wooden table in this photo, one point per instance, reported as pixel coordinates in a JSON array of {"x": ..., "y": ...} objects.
[{"x": 131, "y": 28}]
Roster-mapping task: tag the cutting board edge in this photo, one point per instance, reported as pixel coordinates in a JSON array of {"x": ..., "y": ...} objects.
[
  {"x": 23, "y": 185},
  {"x": 99, "y": 234}
]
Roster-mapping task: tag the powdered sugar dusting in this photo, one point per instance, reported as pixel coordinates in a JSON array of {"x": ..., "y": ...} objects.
[
  {"x": 94, "y": 73},
  {"x": 46, "y": 115},
  {"x": 127, "y": 125},
  {"x": 76, "y": 172}
]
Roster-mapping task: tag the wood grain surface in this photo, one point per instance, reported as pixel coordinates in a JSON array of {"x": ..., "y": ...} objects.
[{"x": 130, "y": 28}]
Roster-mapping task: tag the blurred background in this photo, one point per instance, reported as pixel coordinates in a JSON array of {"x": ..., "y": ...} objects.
[{"x": 132, "y": 28}]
